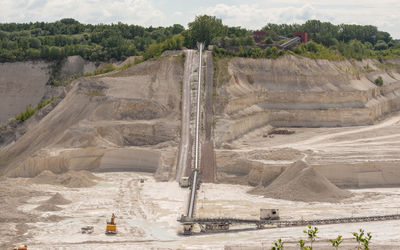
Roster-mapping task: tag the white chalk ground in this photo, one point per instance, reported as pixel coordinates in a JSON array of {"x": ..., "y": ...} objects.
[{"x": 147, "y": 212}]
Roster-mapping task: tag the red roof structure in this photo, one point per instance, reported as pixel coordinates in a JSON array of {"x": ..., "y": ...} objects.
[
  {"x": 259, "y": 36},
  {"x": 303, "y": 36}
]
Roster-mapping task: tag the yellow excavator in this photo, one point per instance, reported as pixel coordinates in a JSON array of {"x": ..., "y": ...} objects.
[
  {"x": 111, "y": 227},
  {"x": 22, "y": 247}
]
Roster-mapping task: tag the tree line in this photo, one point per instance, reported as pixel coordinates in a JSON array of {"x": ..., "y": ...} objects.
[{"x": 103, "y": 42}]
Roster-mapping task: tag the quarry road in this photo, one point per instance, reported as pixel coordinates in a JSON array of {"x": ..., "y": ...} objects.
[
  {"x": 129, "y": 200},
  {"x": 185, "y": 127}
]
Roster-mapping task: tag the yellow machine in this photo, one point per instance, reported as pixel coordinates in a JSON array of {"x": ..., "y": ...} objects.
[
  {"x": 111, "y": 226},
  {"x": 23, "y": 247}
]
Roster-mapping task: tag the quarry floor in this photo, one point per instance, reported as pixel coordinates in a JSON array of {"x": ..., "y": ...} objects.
[
  {"x": 146, "y": 213},
  {"x": 339, "y": 144},
  {"x": 146, "y": 216},
  {"x": 380, "y": 139}
]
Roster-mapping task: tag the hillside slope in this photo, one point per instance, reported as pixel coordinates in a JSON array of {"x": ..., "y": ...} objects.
[{"x": 123, "y": 120}]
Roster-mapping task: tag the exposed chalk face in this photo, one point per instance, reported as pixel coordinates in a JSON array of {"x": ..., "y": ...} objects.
[
  {"x": 24, "y": 83},
  {"x": 21, "y": 84}
]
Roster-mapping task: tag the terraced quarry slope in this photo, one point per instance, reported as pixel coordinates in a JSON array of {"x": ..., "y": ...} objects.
[
  {"x": 300, "y": 92},
  {"x": 128, "y": 120}
]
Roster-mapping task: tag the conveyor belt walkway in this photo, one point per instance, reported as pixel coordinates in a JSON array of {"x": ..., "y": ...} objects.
[{"x": 195, "y": 179}]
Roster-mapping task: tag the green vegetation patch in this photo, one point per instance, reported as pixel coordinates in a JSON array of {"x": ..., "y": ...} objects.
[
  {"x": 103, "y": 42},
  {"x": 23, "y": 116},
  {"x": 379, "y": 81},
  {"x": 94, "y": 94},
  {"x": 67, "y": 37}
]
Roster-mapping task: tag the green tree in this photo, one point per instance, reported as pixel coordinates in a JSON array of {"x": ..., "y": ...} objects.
[
  {"x": 177, "y": 29},
  {"x": 55, "y": 53},
  {"x": 268, "y": 40},
  {"x": 3, "y": 35},
  {"x": 204, "y": 29},
  {"x": 35, "y": 43},
  {"x": 7, "y": 56},
  {"x": 381, "y": 45},
  {"x": 312, "y": 47},
  {"x": 153, "y": 50},
  {"x": 33, "y": 54},
  {"x": 69, "y": 21}
]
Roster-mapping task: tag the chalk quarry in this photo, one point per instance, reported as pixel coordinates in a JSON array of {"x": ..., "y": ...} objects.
[{"x": 103, "y": 134}]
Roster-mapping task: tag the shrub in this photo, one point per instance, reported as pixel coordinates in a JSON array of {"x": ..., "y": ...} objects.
[
  {"x": 128, "y": 65},
  {"x": 278, "y": 245},
  {"x": 23, "y": 116},
  {"x": 155, "y": 50},
  {"x": 381, "y": 45},
  {"x": 109, "y": 67},
  {"x": 379, "y": 81},
  {"x": 336, "y": 242},
  {"x": 268, "y": 40},
  {"x": 362, "y": 239},
  {"x": 355, "y": 49},
  {"x": 311, "y": 233},
  {"x": 92, "y": 94},
  {"x": 316, "y": 51}
]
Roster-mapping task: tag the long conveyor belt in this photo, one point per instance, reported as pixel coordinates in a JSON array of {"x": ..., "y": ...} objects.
[
  {"x": 281, "y": 223},
  {"x": 196, "y": 177}
]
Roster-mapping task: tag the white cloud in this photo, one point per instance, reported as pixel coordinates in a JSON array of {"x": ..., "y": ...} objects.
[
  {"x": 255, "y": 15},
  {"x": 141, "y": 12},
  {"x": 252, "y": 14},
  {"x": 177, "y": 13}
]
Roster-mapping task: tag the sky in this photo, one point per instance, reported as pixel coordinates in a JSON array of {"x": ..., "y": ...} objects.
[{"x": 251, "y": 14}]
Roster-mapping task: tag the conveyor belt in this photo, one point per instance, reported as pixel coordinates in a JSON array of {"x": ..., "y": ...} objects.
[
  {"x": 292, "y": 42},
  {"x": 282, "y": 223},
  {"x": 195, "y": 179}
]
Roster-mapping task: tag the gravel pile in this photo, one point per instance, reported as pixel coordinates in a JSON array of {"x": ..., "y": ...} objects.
[{"x": 300, "y": 182}]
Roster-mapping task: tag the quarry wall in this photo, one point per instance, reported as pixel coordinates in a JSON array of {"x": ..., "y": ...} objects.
[
  {"x": 301, "y": 92},
  {"x": 26, "y": 83},
  {"x": 21, "y": 84}
]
